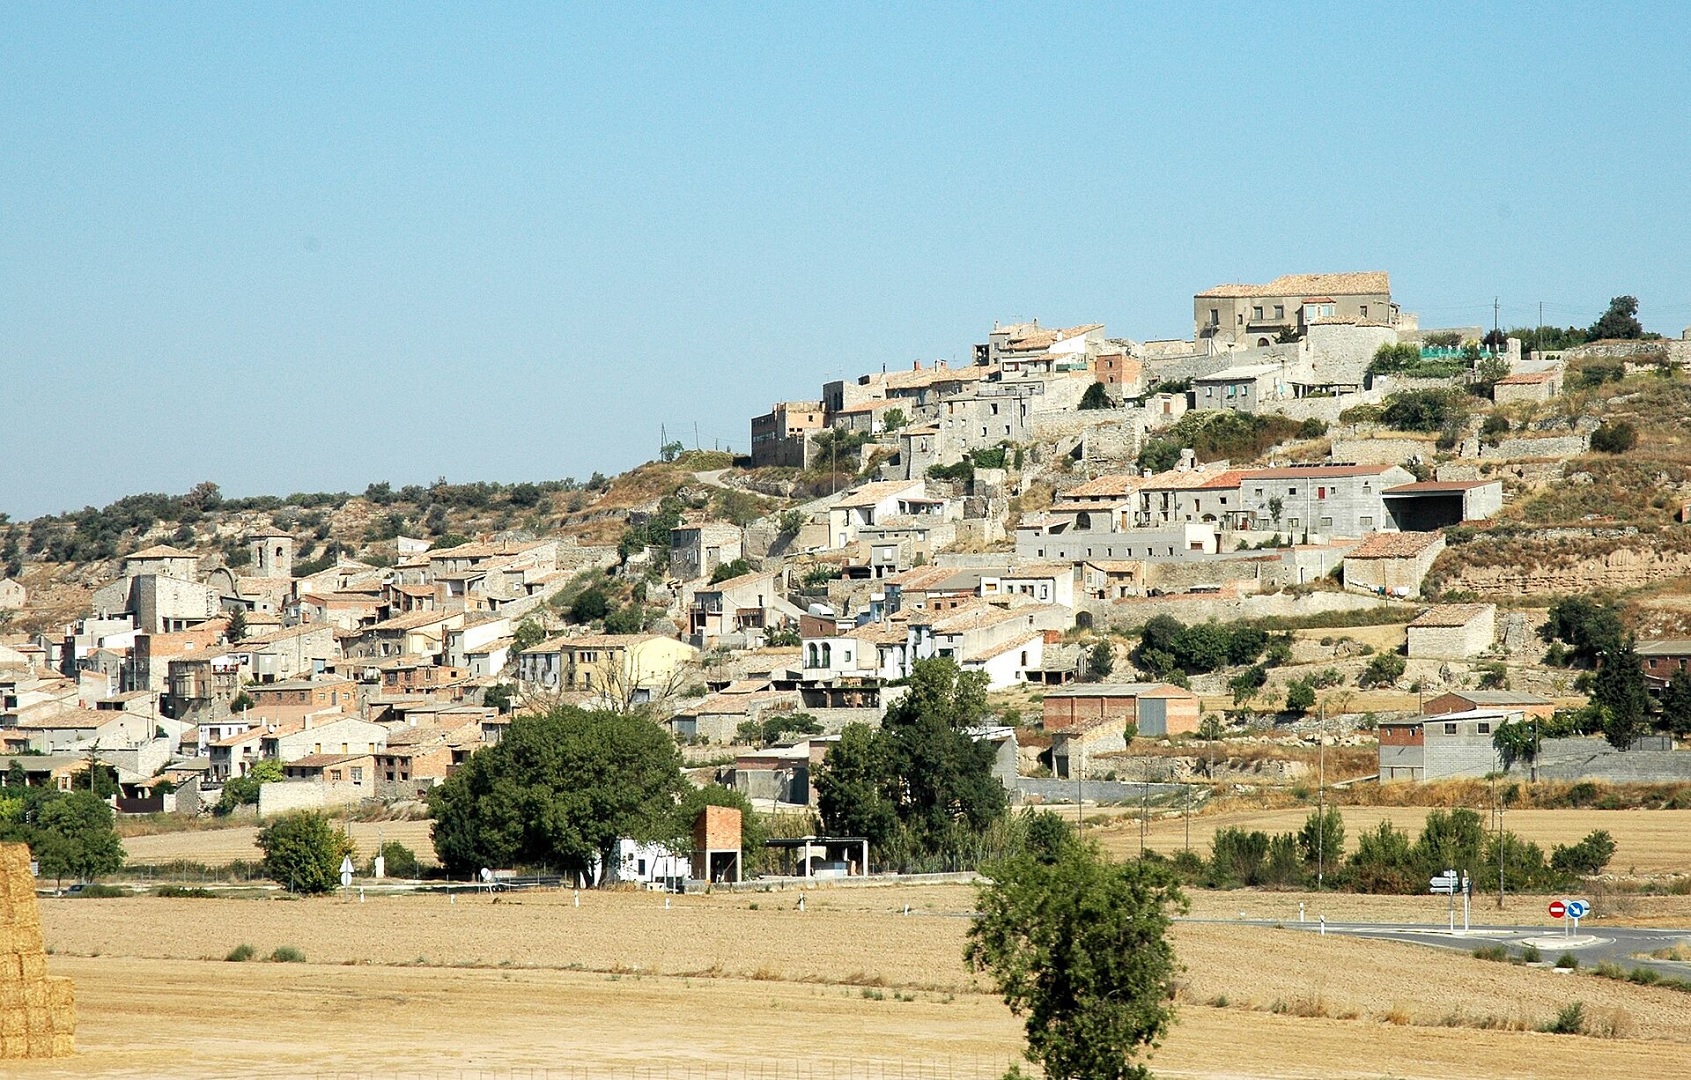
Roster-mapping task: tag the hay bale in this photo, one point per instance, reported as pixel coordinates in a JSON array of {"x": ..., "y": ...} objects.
[
  {"x": 33, "y": 966},
  {"x": 12, "y": 1022},
  {"x": 37, "y": 1013},
  {"x": 61, "y": 992},
  {"x": 64, "y": 1043}
]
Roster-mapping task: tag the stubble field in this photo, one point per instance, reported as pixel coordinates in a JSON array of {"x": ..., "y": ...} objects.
[{"x": 622, "y": 986}]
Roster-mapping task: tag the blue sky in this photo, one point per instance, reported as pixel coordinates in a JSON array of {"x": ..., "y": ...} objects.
[{"x": 310, "y": 247}]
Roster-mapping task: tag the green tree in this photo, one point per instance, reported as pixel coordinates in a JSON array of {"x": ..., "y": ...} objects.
[
  {"x": 1619, "y": 320},
  {"x": 924, "y": 765},
  {"x": 591, "y": 606},
  {"x": 1383, "y": 861},
  {"x": 73, "y": 837},
  {"x": 1517, "y": 741},
  {"x": 559, "y": 790},
  {"x": 1383, "y": 669},
  {"x": 1159, "y": 455},
  {"x": 1621, "y": 689},
  {"x": 1322, "y": 839},
  {"x": 237, "y": 628},
  {"x": 243, "y": 790},
  {"x": 1300, "y": 697},
  {"x": 1422, "y": 410},
  {"x": 893, "y": 419},
  {"x": 398, "y": 861},
  {"x": 1451, "y": 840},
  {"x": 1589, "y": 627},
  {"x": 1080, "y": 947},
  {"x": 1201, "y": 647},
  {"x": 1096, "y": 397},
  {"x": 1236, "y": 857},
  {"x": 527, "y": 635},
  {"x": 1586, "y": 858},
  {"x": 731, "y": 569},
  {"x": 671, "y": 450},
  {"x": 1101, "y": 660},
  {"x": 1676, "y": 703},
  {"x": 303, "y": 851}
]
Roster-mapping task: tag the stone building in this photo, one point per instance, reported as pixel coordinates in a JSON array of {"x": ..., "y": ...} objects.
[
  {"x": 1257, "y": 315},
  {"x": 1394, "y": 563},
  {"x": 1453, "y": 631},
  {"x": 695, "y": 551}
]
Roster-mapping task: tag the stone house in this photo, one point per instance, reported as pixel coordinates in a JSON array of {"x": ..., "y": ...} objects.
[
  {"x": 13, "y": 595},
  {"x": 1529, "y": 386},
  {"x": 738, "y": 606},
  {"x": 631, "y": 667},
  {"x": 163, "y": 560},
  {"x": 1331, "y": 500},
  {"x": 1035, "y": 583},
  {"x": 418, "y": 633},
  {"x": 1453, "y": 631},
  {"x": 199, "y": 689},
  {"x": 781, "y": 436},
  {"x": 1256, "y": 315},
  {"x": 293, "y": 652},
  {"x": 357, "y": 770},
  {"x": 478, "y": 631},
  {"x": 1240, "y": 389},
  {"x": 695, "y": 551},
  {"x": 1394, "y": 563},
  {"x": 325, "y": 734},
  {"x": 306, "y": 695},
  {"x": 875, "y": 502},
  {"x": 1112, "y": 579}
]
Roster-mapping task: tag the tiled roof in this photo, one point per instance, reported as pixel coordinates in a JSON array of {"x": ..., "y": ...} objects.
[
  {"x": 1528, "y": 378},
  {"x": 1446, "y": 615},
  {"x": 1398, "y": 545},
  {"x": 870, "y": 494},
  {"x": 1103, "y": 487},
  {"x": 1433, "y": 487},
  {"x": 1312, "y": 286},
  {"x": 1316, "y": 472},
  {"x": 162, "y": 551}
]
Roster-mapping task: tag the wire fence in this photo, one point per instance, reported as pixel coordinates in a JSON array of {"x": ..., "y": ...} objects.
[{"x": 959, "y": 1068}]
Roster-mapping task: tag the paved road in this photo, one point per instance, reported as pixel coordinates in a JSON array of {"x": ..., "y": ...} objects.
[{"x": 1623, "y": 945}]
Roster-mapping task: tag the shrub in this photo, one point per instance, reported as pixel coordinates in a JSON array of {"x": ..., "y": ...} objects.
[
  {"x": 1614, "y": 437},
  {"x": 1497, "y": 953},
  {"x": 1383, "y": 669},
  {"x": 1422, "y": 410},
  {"x": 1568, "y": 961},
  {"x": 1585, "y": 858},
  {"x": 287, "y": 954},
  {"x": 1569, "y": 1021},
  {"x": 1531, "y": 955},
  {"x": 93, "y": 891},
  {"x": 184, "y": 892},
  {"x": 397, "y": 861},
  {"x": 240, "y": 954}
]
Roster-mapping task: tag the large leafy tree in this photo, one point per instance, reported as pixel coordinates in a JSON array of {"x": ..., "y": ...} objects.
[
  {"x": 303, "y": 851},
  {"x": 1589, "y": 627},
  {"x": 1080, "y": 947},
  {"x": 560, "y": 790},
  {"x": 1619, "y": 320},
  {"x": 922, "y": 784},
  {"x": 73, "y": 837}
]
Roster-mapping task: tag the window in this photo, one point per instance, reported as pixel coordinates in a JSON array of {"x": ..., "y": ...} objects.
[
  {"x": 1326, "y": 523},
  {"x": 1279, "y": 311},
  {"x": 1366, "y": 521},
  {"x": 1256, "y": 313},
  {"x": 1483, "y": 728},
  {"x": 1291, "y": 491},
  {"x": 1364, "y": 311},
  {"x": 1259, "y": 493},
  {"x": 995, "y": 408},
  {"x": 1450, "y": 729},
  {"x": 1320, "y": 493},
  {"x": 334, "y": 774},
  {"x": 1215, "y": 316},
  {"x": 357, "y": 774}
]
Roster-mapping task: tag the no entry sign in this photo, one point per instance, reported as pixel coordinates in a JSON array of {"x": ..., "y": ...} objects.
[{"x": 1558, "y": 909}]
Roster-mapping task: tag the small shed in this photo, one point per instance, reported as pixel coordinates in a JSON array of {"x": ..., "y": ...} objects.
[
  {"x": 1527, "y": 386},
  {"x": 1453, "y": 631},
  {"x": 1394, "y": 563},
  {"x": 1434, "y": 504},
  {"x": 1461, "y": 701},
  {"x": 823, "y": 856}
]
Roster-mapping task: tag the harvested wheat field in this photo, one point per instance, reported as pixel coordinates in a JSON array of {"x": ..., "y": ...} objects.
[
  {"x": 220, "y": 847},
  {"x": 849, "y": 987},
  {"x": 1648, "y": 842}
]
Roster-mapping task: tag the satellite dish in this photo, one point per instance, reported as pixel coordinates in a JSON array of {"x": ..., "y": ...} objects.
[{"x": 486, "y": 874}]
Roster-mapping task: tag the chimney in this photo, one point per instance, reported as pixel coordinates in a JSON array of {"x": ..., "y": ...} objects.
[
  {"x": 939, "y": 365},
  {"x": 915, "y": 365},
  {"x": 308, "y": 720},
  {"x": 1188, "y": 460}
]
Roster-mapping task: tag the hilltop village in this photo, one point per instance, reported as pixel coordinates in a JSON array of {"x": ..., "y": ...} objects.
[{"x": 1314, "y": 522}]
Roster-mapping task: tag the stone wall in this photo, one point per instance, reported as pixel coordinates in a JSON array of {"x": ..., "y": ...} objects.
[
  {"x": 1553, "y": 446},
  {"x": 281, "y": 796},
  {"x": 1620, "y": 569},
  {"x": 1675, "y": 350},
  {"x": 1135, "y": 611},
  {"x": 1594, "y": 759},
  {"x": 1359, "y": 449}
]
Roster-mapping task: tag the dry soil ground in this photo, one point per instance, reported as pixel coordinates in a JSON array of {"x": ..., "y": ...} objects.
[
  {"x": 622, "y": 986},
  {"x": 219, "y": 847}
]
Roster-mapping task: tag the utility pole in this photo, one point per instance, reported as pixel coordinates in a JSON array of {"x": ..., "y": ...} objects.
[
  {"x": 1494, "y": 319},
  {"x": 1144, "y": 804},
  {"x": 1321, "y": 800}
]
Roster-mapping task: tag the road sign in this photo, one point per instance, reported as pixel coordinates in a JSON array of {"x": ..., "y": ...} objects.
[
  {"x": 346, "y": 871},
  {"x": 1443, "y": 885},
  {"x": 1558, "y": 909},
  {"x": 1577, "y": 909}
]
